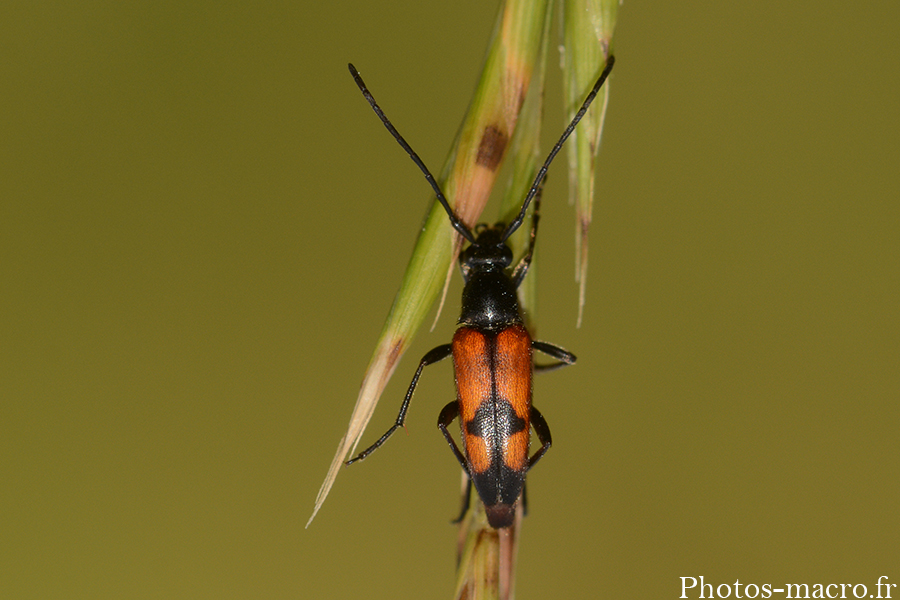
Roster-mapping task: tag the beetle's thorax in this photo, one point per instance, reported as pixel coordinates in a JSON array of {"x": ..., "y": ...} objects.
[{"x": 489, "y": 297}]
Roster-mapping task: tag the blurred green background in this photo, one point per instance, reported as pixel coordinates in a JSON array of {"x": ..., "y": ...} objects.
[{"x": 202, "y": 227}]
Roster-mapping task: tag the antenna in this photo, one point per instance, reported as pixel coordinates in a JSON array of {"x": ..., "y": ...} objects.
[
  {"x": 457, "y": 223},
  {"x": 517, "y": 222}
]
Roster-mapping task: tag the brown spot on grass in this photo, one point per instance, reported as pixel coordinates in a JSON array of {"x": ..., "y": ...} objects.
[
  {"x": 395, "y": 351},
  {"x": 492, "y": 146}
]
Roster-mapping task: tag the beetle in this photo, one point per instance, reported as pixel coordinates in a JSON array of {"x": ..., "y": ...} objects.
[{"x": 492, "y": 350}]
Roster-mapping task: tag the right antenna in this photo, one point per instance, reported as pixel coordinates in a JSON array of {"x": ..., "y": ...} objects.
[{"x": 517, "y": 222}]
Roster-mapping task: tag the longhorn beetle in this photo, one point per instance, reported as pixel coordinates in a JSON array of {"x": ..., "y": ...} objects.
[{"x": 492, "y": 350}]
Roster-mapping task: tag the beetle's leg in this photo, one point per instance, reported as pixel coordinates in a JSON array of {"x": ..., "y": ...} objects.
[
  {"x": 543, "y": 433},
  {"x": 564, "y": 357},
  {"x": 525, "y": 499},
  {"x": 450, "y": 412},
  {"x": 467, "y": 500},
  {"x": 437, "y": 354},
  {"x": 518, "y": 273}
]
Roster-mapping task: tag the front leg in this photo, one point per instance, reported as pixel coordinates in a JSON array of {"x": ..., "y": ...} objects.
[{"x": 437, "y": 354}]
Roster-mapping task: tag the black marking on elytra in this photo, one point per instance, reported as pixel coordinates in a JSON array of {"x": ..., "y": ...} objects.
[
  {"x": 499, "y": 484},
  {"x": 492, "y": 413},
  {"x": 492, "y": 147}
]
